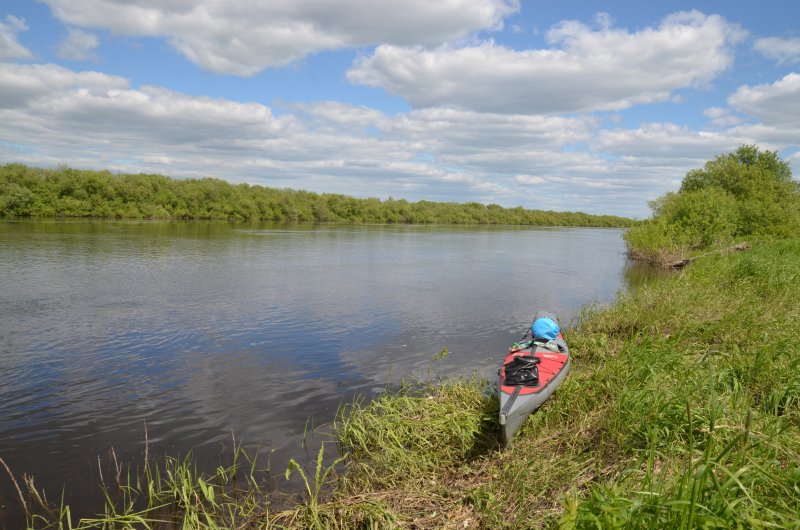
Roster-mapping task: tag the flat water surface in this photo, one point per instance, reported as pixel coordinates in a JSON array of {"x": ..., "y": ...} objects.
[{"x": 204, "y": 329}]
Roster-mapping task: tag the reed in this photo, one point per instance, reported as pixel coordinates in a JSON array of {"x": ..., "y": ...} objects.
[{"x": 170, "y": 494}]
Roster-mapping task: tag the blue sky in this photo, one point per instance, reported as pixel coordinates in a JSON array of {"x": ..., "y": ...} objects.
[{"x": 557, "y": 105}]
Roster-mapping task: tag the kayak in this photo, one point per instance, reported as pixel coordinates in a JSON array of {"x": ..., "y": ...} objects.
[{"x": 518, "y": 400}]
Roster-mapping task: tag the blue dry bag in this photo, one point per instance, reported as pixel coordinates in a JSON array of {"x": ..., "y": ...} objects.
[{"x": 545, "y": 328}]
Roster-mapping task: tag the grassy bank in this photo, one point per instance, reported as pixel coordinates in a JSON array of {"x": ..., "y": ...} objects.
[
  {"x": 67, "y": 192},
  {"x": 682, "y": 411}
]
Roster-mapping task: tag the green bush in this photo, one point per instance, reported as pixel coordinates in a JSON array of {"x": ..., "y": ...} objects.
[
  {"x": 702, "y": 217},
  {"x": 747, "y": 192},
  {"x": 768, "y": 198},
  {"x": 14, "y": 198},
  {"x": 655, "y": 241}
]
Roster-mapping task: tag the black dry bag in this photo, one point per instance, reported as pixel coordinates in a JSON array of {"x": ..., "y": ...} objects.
[{"x": 522, "y": 371}]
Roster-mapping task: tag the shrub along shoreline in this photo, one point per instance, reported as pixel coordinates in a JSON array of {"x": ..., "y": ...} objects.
[
  {"x": 682, "y": 410},
  {"x": 66, "y": 192},
  {"x": 749, "y": 192}
]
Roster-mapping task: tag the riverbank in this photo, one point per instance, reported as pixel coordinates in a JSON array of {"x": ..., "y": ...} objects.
[{"x": 682, "y": 410}]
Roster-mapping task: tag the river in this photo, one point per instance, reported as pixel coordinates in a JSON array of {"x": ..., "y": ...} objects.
[{"x": 194, "y": 331}]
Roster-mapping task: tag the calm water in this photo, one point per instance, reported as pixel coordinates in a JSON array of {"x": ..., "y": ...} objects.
[{"x": 203, "y": 329}]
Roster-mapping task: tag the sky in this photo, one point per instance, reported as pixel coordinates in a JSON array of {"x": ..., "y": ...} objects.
[{"x": 571, "y": 105}]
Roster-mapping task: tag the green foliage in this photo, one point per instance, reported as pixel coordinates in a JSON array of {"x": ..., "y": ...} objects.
[
  {"x": 310, "y": 516},
  {"x": 655, "y": 240},
  {"x": 742, "y": 173},
  {"x": 702, "y": 217},
  {"x": 400, "y": 437},
  {"x": 168, "y": 495},
  {"x": 684, "y": 221},
  {"x": 744, "y": 193},
  {"x": 761, "y": 183},
  {"x": 26, "y": 191},
  {"x": 709, "y": 410}
]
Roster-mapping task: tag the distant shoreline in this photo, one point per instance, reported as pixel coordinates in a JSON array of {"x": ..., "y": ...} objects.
[{"x": 72, "y": 193}]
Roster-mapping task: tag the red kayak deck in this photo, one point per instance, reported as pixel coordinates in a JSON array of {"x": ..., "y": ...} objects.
[{"x": 552, "y": 363}]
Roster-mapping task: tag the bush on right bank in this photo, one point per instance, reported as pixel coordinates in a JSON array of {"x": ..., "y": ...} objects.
[{"x": 749, "y": 192}]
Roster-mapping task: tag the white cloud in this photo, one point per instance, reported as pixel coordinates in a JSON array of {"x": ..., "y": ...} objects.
[
  {"x": 773, "y": 104},
  {"x": 78, "y": 46},
  {"x": 656, "y": 156},
  {"x": 664, "y": 152},
  {"x": 662, "y": 141},
  {"x": 782, "y": 50},
  {"x": 604, "y": 21},
  {"x": 244, "y": 37},
  {"x": 529, "y": 179},
  {"x": 10, "y": 48},
  {"x": 720, "y": 117},
  {"x": 769, "y": 136},
  {"x": 451, "y": 128},
  {"x": 335, "y": 116},
  {"x": 584, "y": 69},
  {"x": 22, "y": 84},
  {"x": 51, "y": 106}
]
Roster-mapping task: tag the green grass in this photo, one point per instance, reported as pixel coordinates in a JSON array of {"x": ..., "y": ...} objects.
[
  {"x": 682, "y": 410},
  {"x": 168, "y": 495}
]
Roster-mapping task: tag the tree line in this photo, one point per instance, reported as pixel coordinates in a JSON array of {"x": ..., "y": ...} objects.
[{"x": 66, "y": 192}]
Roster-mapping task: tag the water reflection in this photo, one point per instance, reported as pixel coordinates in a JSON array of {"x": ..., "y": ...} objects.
[
  {"x": 638, "y": 274},
  {"x": 201, "y": 329}
]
